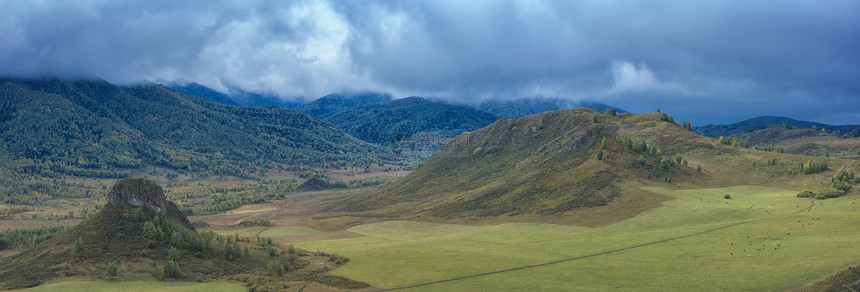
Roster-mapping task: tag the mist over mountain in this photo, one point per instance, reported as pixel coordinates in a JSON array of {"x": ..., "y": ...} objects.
[{"x": 235, "y": 97}]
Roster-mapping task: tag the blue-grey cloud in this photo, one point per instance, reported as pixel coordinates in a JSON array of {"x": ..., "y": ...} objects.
[{"x": 709, "y": 61}]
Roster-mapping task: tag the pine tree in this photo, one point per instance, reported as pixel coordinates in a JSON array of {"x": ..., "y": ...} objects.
[
  {"x": 603, "y": 143},
  {"x": 599, "y": 154},
  {"x": 699, "y": 168}
]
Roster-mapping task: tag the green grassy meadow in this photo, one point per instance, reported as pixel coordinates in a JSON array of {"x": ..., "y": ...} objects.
[
  {"x": 95, "y": 286},
  {"x": 772, "y": 242}
]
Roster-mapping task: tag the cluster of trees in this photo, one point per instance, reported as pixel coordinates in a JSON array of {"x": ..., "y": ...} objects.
[
  {"x": 777, "y": 149},
  {"x": 640, "y": 146},
  {"x": 228, "y": 202},
  {"x": 665, "y": 163},
  {"x": 158, "y": 229},
  {"x": 838, "y": 187},
  {"x": 687, "y": 125},
  {"x": 667, "y": 118},
  {"x": 24, "y": 238},
  {"x": 169, "y": 269},
  {"x": 813, "y": 166},
  {"x": 734, "y": 142},
  {"x": 610, "y": 112}
]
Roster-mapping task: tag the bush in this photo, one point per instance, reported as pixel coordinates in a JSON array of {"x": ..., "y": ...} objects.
[
  {"x": 806, "y": 194},
  {"x": 111, "y": 271},
  {"x": 171, "y": 269},
  {"x": 173, "y": 254},
  {"x": 159, "y": 272},
  {"x": 275, "y": 269}
]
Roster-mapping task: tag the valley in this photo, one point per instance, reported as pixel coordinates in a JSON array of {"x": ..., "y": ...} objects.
[
  {"x": 563, "y": 200},
  {"x": 753, "y": 241}
]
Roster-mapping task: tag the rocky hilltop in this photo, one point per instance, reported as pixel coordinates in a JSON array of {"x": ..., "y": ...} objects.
[{"x": 138, "y": 192}]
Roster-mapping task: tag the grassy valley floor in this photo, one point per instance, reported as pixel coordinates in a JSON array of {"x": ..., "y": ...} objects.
[
  {"x": 130, "y": 286},
  {"x": 762, "y": 239}
]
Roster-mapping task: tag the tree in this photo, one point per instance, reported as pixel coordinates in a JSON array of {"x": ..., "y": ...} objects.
[
  {"x": 599, "y": 154},
  {"x": 176, "y": 239},
  {"x": 173, "y": 254},
  {"x": 139, "y": 216},
  {"x": 171, "y": 269},
  {"x": 111, "y": 271},
  {"x": 699, "y": 168},
  {"x": 603, "y": 143},
  {"x": 150, "y": 231},
  {"x": 640, "y": 161},
  {"x": 79, "y": 246}
]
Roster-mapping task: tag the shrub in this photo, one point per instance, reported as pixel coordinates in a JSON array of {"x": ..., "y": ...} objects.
[
  {"x": 79, "y": 246},
  {"x": 275, "y": 269},
  {"x": 111, "y": 271},
  {"x": 173, "y": 254},
  {"x": 159, "y": 272},
  {"x": 806, "y": 194},
  {"x": 171, "y": 269}
]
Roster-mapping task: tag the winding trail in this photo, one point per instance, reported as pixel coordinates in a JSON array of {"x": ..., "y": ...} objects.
[
  {"x": 270, "y": 225},
  {"x": 811, "y": 204}
]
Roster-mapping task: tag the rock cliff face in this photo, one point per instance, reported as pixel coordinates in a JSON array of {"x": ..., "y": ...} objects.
[{"x": 138, "y": 192}]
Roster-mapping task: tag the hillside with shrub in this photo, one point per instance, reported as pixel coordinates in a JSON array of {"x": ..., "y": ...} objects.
[{"x": 562, "y": 162}]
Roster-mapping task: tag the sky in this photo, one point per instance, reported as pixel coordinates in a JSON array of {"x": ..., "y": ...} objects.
[{"x": 704, "y": 61}]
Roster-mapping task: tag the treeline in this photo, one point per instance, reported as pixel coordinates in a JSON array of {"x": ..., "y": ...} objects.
[
  {"x": 217, "y": 199},
  {"x": 22, "y": 189},
  {"x": 813, "y": 166},
  {"x": 362, "y": 182},
  {"x": 737, "y": 142},
  {"x": 839, "y": 185},
  {"x": 24, "y": 238},
  {"x": 734, "y": 142}
]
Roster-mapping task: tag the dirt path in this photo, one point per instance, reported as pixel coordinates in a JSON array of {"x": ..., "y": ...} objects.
[
  {"x": 837, "y": 173},
  {"x": 812, "y": 204},
  {"x": 270, "y": 225}
]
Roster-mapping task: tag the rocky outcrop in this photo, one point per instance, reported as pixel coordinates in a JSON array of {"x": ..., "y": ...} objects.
[{"x": 138, "y": 192}]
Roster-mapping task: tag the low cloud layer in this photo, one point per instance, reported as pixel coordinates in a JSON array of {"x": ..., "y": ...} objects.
[{"x": 709, "y": 61}]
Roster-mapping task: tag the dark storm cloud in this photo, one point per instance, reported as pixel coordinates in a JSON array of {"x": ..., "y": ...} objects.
[{"x": 711, "y": 61}]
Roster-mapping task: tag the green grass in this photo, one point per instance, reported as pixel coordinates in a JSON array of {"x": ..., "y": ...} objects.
[
  {"x": 771, "y": 248},
  {"x": 274, "y": 231},
  {"x": 87, "y": 286}
]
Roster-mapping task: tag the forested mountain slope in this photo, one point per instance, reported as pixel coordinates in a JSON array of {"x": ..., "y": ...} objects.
[{"x": 52, "y": 128}]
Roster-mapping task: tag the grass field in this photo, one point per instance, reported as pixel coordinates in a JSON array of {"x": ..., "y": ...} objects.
[
  {"x": 95, "y": 286},
  {"x": 762, "y": 239},
  {"x": 274, "y": 231}
]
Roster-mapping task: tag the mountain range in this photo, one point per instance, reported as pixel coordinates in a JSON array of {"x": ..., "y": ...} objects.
[
  {"x": 763, "y": 122},
  {"x": 90, "y": 128}
]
